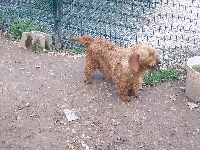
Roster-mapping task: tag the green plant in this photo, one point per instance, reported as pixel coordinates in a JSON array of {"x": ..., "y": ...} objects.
[
  {"x": 53, "y": 48},
  {"x": 161, "y": 76},
  {"x": 77, "y": 50},
  {"x": 37, "y": 47},
  {"x": 17, "y": 27}
]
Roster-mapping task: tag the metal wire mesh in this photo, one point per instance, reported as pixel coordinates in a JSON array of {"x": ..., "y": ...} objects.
[
  {"x": 117, "y": 20},
  {"x": 39, "y": 11}
]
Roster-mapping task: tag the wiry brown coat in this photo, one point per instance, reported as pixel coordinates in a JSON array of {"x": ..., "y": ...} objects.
[{"x": 126, "y": 67}]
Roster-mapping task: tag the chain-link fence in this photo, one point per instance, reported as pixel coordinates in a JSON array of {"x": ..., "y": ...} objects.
[
  {"x": 118, "y": 20},
  {"x": 39, "y": 11},
  {"x": 171, "y": 26}
]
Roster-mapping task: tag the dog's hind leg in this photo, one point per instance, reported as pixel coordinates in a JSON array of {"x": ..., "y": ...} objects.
[{"x": 90, "y": 67}]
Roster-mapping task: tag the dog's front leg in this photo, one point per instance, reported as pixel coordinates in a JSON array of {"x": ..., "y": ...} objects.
[
  {"x": 132, "y": 92},
  {"x": 123, "y": 92}
]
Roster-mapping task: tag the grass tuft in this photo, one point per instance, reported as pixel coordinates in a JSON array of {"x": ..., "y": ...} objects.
[
  {"x": 161, "y": 76},
  {"x": 17, "y": 27},
  {"x": 77, "y": 50}
]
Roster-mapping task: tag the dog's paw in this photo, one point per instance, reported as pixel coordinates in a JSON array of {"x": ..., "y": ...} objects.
[
  {"x": 132, "y": 92},
  {"x": 126, "y": 98},
  {"x": 88, "y": 81}
]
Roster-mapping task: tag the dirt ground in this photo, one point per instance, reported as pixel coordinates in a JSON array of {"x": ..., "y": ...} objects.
[{"x": 36, "y": 88}]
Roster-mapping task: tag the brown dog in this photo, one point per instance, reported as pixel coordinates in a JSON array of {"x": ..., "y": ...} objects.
[{"x": 126, "y": 67}]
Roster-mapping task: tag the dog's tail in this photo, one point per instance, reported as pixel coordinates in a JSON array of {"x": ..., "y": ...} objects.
[{"x": 84, "y": 40}]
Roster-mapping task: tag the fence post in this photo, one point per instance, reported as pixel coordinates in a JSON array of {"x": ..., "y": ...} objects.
[{"x": 57, "y": 24}]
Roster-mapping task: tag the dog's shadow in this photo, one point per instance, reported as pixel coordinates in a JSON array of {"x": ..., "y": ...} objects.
[
  {"x": 101, "y": 83},
  {"x": 105, "y": 85}
]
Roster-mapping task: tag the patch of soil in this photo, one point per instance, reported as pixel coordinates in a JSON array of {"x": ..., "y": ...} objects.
[{"x": 36, "y": 88}]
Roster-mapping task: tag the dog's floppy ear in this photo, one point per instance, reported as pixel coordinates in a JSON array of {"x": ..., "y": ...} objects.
[{"x": 134, "y": 62}]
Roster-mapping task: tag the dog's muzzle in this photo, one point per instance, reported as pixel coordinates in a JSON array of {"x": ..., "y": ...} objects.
[{"x": 158, "y": 62}]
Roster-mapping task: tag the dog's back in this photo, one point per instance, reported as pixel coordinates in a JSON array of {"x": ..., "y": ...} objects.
[
  {"x": 102, "y": 52},
  {"x": 105, "y": 54},
  {"x": 99, "y": 48}
]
